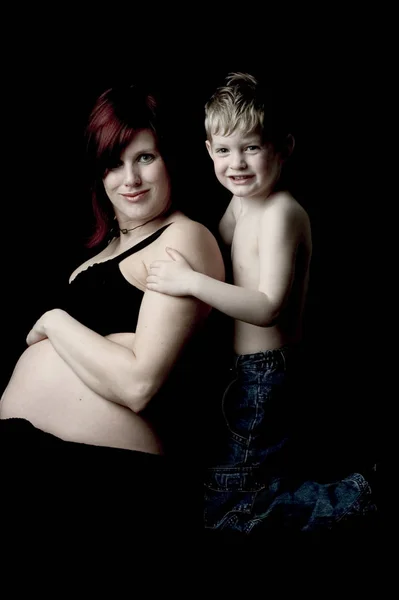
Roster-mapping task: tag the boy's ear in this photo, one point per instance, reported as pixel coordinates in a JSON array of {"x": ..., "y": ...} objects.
[
  {"x": 289, "y": 146},
  {"x": 209, "y": 148}
]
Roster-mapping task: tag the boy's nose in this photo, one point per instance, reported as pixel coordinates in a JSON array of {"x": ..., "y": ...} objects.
[{"x": 238, "y": 162}]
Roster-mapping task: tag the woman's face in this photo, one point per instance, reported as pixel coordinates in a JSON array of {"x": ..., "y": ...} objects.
[{"x": 139, "y": 185}]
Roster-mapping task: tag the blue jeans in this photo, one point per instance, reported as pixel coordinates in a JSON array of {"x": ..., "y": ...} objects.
[{"x": 251, "y": 486}]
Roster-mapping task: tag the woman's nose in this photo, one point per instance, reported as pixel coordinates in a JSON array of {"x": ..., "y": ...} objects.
[{"x": 132, "y": 177}]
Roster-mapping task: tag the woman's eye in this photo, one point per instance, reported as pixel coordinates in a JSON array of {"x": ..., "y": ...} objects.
[{"x": 146, "y": 158}]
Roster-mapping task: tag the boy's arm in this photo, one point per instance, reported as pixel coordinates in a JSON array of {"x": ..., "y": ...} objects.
[
  {"x": 281, "y": 231},
  {"x": 278, "y": 242}
]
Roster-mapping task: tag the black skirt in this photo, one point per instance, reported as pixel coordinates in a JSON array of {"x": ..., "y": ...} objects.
[{"x": 64, "y": 492}]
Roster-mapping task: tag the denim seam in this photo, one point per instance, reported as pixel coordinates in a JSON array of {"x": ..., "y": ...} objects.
[
  {"x": 254, "y": 420},
  {"x": 364, "y": 490},
  {"x": 236, "y": 436}
]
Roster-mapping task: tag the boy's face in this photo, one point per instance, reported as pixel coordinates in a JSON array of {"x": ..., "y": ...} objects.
[{"x": 244, "y": 164}]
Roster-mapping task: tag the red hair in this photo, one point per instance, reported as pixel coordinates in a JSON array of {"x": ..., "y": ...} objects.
[{"x": 117, "y": 115}]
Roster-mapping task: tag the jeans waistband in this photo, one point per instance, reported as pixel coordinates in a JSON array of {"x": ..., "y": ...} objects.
[{"x": 265, "y": 356}]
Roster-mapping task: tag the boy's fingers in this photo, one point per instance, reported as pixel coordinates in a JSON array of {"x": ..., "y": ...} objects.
[{"x": 174, "y": 253}]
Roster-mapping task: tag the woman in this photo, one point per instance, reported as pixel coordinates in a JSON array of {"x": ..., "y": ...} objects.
[{"x": 82, "y": 414}]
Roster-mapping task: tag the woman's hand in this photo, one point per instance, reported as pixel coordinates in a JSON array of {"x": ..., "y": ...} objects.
[
  {"x": 38, "y": 331},
  {"x": 172, "y": 277}
]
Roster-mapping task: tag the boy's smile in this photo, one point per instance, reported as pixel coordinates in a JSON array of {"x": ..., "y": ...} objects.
[
  {"x": 243, "y": 163},
  {"x": 241, "y": 179}
]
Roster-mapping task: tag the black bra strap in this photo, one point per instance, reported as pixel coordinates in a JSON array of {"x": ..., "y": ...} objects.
[{"x": 146, "y": 242}]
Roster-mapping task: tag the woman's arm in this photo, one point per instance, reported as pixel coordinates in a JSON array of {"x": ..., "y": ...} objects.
[
  {"x": 131, "y": 376},
  {"x": 123, "y": 339}
]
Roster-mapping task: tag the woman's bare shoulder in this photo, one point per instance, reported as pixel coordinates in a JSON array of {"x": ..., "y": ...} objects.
[
  {"x": 197, "y": 243},
  {"x": 184, "y": 226}
]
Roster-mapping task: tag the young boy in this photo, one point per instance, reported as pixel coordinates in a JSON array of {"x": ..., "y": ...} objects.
[
  {"x": 268, "y": 231},
  {"x": 271, "y": 246}
]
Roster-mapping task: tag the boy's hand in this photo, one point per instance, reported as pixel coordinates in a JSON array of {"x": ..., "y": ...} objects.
[{"x": 171, "y": 277}]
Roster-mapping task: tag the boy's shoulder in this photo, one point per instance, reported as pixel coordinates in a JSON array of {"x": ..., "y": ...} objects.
[
  {"x": 234, "y": 206},
  {"x": 283, "y": 201},
  {"x": 284, "y": 205}
]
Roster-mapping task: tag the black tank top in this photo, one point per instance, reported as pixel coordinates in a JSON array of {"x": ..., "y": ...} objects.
[{"x": 102, "y": 299}]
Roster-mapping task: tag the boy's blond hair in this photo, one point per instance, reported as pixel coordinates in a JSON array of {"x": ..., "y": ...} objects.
[{"x": 235, "y": 106}]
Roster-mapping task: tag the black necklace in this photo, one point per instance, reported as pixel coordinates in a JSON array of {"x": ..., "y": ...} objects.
[{"x": 133, "y": 228}]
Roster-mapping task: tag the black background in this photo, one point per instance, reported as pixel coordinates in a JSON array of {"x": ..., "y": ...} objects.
[{"x": 335, "y": 89}]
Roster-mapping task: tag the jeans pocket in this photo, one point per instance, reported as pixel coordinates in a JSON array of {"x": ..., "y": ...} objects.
[
  {"x": 239, "y": 406},
  {"x": 229, "y": 494}
]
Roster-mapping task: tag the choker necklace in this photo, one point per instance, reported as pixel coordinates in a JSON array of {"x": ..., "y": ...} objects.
[{"x": 133, "y": 228}]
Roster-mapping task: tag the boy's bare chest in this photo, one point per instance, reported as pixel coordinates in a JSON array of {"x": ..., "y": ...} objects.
[{"x": 245, "y": 251}]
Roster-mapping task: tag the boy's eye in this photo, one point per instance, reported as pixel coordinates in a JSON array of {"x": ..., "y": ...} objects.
[
  {"x": 146, "y": 158},
  {"x": 221, "y": 150},
  {"x": 252, "y": 148}
]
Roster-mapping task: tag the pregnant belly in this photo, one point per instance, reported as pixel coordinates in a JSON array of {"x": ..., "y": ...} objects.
[{"x": 44, "y": 390}]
